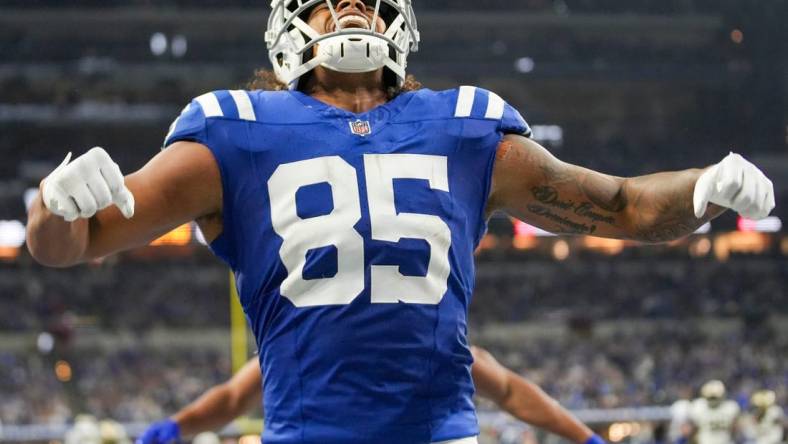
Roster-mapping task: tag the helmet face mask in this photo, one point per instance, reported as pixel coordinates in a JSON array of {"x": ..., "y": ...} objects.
[{"x": 295, "y": 48}]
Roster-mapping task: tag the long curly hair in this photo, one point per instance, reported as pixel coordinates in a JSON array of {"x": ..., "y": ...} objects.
[{"x": 266, "y": 80}]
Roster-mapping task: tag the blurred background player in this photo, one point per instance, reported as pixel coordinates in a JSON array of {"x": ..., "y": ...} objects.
[
  {"x": 765, "y": 423},
  {"x": 87, "y": 430},
  {"x": 714, "y": 418},
  {"x": 511, "y": 392},
  {"x": 679, "y": 428}
]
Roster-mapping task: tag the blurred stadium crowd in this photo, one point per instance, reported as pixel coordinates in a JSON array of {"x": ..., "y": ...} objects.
[
  {"x": 139, "y": 384},
  {"x": 191, "y": 292},
  {"x": 130, "y": 385},
  {"x": 583, "y": 368}
]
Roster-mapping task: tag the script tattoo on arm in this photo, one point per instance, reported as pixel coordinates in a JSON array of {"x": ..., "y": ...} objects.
[{"x": 532, "y": 185}]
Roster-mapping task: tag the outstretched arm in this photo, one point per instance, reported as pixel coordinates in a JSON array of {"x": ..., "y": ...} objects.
[
  {"x": 531, "y": 184},
  {"x": 178, "y": 185},
  {"x": 223, "y": 403},
  {"x": 523, "y": 399},
  {"x": 211, "y": 411}
]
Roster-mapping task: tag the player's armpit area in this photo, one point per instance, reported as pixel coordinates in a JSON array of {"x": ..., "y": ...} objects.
[
  {"x": 180, "y": 184},
  {"x": 531, "y": 184}
]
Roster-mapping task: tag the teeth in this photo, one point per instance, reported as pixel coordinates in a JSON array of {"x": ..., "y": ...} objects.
[{"x": 353, "y": 21}]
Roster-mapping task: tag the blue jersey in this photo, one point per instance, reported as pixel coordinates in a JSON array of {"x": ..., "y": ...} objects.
[{"x": 352, "y": 238}]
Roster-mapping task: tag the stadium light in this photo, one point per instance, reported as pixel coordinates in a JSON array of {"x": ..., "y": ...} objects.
[
  {"x": 179, "y": 46},
  {"x": 28, "y": 197},
  {"x": 63, "y": 371},
  {"x": 771, "y": 224},
  {"x": 158, "y": 44},
  {"x": 524, "y": 65},
  {"x": 12, "y": 237},
  {"x": 523, "y": 229},
  {"x": 703, "y": 229},
  {"x": 552, "y": 134},
  {"x": 12, "y": 233},
  {"x": 45, "y": 343},
  {"x": 561, "y": 250},
  {"x": 179, "y": 236}
]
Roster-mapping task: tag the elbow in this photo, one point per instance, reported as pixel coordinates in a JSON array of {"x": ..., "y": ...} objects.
[
  {"x": 40, "y": 253},
  {"x": 234, "y": 401},
  {"x": 655, "y": 229},
  {"x": 49, "y": 258},
  {"x": 48, "y": 253}
]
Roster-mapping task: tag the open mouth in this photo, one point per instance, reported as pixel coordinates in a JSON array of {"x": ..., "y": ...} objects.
[{"x": 351, "y": 21}]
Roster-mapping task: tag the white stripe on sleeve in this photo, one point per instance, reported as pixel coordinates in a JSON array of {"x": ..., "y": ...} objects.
[
  {"x": 495, "y": 107},
  {"x": 465, "y": 101},
  {"x": 210, "y": 105},
  {"x": 244, "y": 104}
]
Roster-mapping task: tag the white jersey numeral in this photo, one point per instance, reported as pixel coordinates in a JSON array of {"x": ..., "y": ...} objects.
[
  {"x": 299, "y": 235},
  {"x": 388, "y": 284}
]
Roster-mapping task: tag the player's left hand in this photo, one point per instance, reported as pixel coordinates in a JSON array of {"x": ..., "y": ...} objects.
[
  {"x": 162, "y": 432},
  {"x": 737, "y": 184}
]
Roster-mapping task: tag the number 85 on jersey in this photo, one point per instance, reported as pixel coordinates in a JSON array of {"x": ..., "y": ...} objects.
[{"x": 300, "y": 235}]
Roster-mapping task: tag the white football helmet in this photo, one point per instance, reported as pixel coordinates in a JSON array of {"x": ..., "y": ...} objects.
[
  {"x": 347, "y": 49},
  {"x": 713, "y": 391}
]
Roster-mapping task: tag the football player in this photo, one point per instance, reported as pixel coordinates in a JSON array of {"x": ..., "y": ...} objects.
[
  {"x": 511, "y": 392},
  {"x": 767, "y": 419},
  {"x": 713, "y": 417},
  {"x": 679, "y": 428},
  {"x": 349, "y": 210},
  {"x": 87, "y": 430}
]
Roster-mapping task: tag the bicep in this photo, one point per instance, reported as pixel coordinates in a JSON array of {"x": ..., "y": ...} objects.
[
  {"x": 178, "y": 185},
  {"x": 532, "y": 185}
]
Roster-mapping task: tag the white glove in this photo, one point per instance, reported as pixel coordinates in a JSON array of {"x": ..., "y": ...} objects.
[
  {"x": 737, "y": 184},
  {"x": 90, "y": 183}
]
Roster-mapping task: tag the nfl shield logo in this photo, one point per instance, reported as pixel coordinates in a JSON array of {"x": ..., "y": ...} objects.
[{"x": 361, "y": 128}]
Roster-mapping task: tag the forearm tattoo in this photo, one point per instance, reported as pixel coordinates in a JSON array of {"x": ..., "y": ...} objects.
[{"x": 574, "y": 200}]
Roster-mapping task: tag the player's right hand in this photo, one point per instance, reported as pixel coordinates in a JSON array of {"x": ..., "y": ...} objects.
[
  {"x": 90, "y": 183},
  {"x": 162, "y": 432}
]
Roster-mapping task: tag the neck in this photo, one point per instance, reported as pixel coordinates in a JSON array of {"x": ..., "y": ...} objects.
[{"x": 357, "y": 93}]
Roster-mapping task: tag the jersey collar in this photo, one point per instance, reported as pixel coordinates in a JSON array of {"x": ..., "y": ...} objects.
[{"x": 377, "y": 117}]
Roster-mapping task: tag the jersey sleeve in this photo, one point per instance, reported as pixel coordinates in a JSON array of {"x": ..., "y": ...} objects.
[
  {"x": 191, "y": 125},
  {"x": 513, "y": 122},
  {"x": 218, "y": 120},
  {"x": 478, "y": 103}
]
